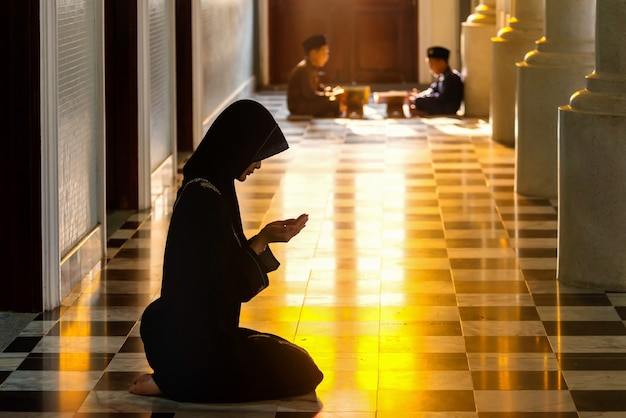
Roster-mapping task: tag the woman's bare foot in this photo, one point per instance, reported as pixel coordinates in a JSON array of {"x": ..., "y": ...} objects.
[{"x": 144, "y": 385}]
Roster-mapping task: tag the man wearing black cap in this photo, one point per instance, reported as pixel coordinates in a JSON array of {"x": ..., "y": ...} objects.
[
  {"x": 305, "y": 94},
  {"x": 445, "y": 94}
]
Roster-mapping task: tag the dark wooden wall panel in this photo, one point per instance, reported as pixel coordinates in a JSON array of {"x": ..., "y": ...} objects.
[{"x": 371, "y": 41}]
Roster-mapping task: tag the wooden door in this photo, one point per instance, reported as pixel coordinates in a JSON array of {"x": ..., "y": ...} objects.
[{"x": 371, "y": 41}]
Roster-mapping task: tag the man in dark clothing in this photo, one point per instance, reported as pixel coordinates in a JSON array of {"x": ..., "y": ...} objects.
[
  {"x": 305, "y": 94},
  {"x": 445, "y": 94}
]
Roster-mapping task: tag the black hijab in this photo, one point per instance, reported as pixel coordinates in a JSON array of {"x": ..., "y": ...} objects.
[{"x": 243, "y": 133}]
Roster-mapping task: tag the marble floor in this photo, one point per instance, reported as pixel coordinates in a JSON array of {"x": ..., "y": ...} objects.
[{"x": 423, "y": 286}]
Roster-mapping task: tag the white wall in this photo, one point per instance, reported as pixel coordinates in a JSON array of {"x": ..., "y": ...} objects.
[
  {"x": 438, "y": 25},
  {"x": 224, "y": 48},
  {"x": 162, "y": 76},
  {"x": 72, "y": 120},
  {"x": 77, "y": 118}
]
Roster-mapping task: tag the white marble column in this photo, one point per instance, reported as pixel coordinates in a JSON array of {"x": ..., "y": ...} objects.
[
  {"x": 545, "y": 81},
  {"x": 476, "y": 34},
  {"x": 592, "y": 164},
  {"x": 509, "y": 48}
]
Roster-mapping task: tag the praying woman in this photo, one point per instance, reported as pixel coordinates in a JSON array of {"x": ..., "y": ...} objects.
[{"x": 191, "y": 333}]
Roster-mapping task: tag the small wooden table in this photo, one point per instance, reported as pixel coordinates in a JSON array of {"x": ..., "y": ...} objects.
[
  {"x": 395, "y": 99},
  {"x": 354, "y": 98}
]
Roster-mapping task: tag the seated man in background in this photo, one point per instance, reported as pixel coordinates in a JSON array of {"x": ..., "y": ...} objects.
[
  {"x": 305, "y": 94},
  {"x": 445, "y": 94}
]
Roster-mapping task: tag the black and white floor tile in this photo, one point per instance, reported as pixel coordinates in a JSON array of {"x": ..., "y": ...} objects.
[{"x": 423, "y": 286}]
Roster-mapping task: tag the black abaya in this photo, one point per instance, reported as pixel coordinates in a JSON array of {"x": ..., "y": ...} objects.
[{"x": 191, "y": 333}]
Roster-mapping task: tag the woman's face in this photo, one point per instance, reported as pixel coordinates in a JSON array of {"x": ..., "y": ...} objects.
[{"x": 254, "y": 166}]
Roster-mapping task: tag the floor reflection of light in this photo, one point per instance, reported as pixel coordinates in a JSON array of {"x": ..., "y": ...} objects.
[
  {"x": 397, "y": 234},
  {"x": 74, "y": 328},
  {"x": 73, "y": 361},
  {"x": 393, "y": 299},
  {"x": 365, "y": 263},
  {"x": 367, "y": 129},
  {"x": 457, "y": 127}
]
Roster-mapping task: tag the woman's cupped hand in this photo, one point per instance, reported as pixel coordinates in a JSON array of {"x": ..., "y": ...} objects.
[
  {"x": 278, "y": 231},
  {"x": 284, "y": 230}
]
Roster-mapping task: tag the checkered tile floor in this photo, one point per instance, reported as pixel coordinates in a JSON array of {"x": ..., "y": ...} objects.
[{"x": 423, "y": 286}]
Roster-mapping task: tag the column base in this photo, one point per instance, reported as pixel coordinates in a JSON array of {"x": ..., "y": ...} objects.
[
  {"x": 592, "y": 200},
  {"x": 540, "y": 92}
]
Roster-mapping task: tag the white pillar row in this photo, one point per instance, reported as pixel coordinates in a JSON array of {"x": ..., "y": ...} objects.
[
  {"x": 476, "y": 34},
  {"x": 592, "y": 165},
  {"x": 546, "y": 80},
  {"x": 509, "y": 47}
]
